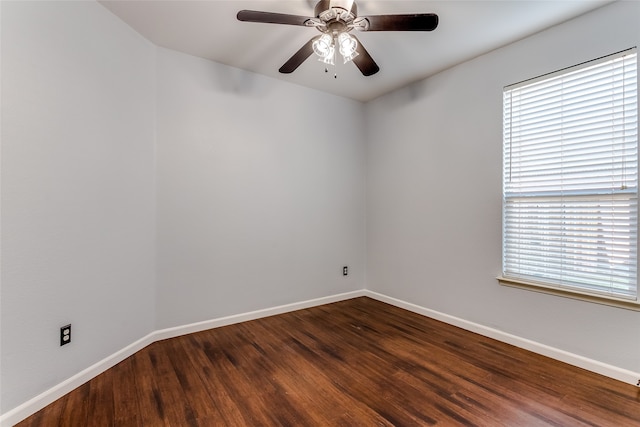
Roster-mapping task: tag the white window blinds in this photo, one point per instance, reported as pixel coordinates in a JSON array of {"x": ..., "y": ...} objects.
[{"x": 570, "y": 178}]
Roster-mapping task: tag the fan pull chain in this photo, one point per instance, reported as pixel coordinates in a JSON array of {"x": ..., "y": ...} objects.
[{"x": 335, "y": 75}]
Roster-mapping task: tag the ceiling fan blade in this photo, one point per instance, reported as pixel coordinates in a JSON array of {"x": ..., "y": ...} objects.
[
  {"x": 414, "y": 22},
  {"x": 298, "y": 58},
  {"x": 364, "y": 61},
  {"x": 271, "y": 18}
]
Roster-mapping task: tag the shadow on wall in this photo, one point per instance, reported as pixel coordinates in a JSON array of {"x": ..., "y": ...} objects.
[
  {"x": 247, "y": 83},
  {"x": 238, "y": 82},
  {"x": 409, "y": 94}
]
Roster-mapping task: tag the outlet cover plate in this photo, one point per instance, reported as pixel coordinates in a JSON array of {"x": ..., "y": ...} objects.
[{"x": 65, "y": 334}]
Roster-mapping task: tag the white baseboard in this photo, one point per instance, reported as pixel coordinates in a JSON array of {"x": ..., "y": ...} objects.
[
  {"x": 536, "y": 347},
  {"x": 32, "y": 406},
  {"x": 252, "y": 315}
]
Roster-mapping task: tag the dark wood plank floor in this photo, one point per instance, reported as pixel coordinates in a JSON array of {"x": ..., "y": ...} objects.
[{"x": 354, "y": 363}]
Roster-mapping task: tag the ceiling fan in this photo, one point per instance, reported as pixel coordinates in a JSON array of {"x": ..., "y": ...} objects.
[{"x": 335, "y": 19}]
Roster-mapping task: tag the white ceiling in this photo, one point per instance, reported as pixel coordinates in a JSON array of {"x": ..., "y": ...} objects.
[{"x": 468, "y": 28}]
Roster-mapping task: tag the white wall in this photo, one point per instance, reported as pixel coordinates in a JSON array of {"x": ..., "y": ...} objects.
[
  {"x": 77, "y": 191},
  {"x": 260, "y": 192},
  {"x": 434, "y": 194}
]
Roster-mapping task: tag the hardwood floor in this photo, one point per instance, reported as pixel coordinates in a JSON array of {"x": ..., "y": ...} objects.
[{"x": 353, "y": 363}]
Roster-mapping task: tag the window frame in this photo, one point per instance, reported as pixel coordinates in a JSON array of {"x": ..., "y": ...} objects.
[{"x": 552, "y": 287}]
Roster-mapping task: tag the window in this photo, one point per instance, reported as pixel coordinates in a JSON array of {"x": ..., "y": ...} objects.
[{"x": 570, "y": 179}]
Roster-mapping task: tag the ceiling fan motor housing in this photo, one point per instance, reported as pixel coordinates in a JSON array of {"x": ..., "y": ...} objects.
[{"x": 336, "y": 13}]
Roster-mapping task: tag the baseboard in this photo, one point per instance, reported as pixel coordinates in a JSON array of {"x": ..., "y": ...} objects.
[
  {"x": 601, "y": 368},
  {"x": 32, "y": 406},
  {"x": 252, "y": 315}
]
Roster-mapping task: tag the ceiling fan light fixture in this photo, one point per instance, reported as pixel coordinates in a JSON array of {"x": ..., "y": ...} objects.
[
  {"x": 328, "y": 58},
  {"x": 323, "y": 45},
  {"x": 348, "y": 45}
]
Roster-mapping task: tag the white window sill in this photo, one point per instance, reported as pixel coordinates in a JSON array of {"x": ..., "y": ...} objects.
[{"x": 568, "y": 293}]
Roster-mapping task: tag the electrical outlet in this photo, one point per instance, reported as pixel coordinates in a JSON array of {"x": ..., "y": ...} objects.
[
  {"x": 65, "y": 334},
  {"x": 345, "y": 271}
]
